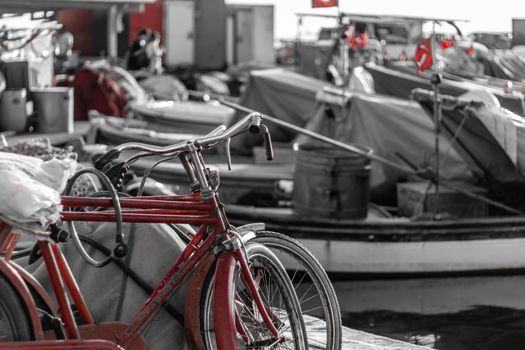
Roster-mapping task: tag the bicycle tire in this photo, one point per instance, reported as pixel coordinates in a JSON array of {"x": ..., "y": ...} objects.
[
  {"x": 15, "y": 324},
  {"x": 282, "y": 244},
  {"x": 259, "y": 257}
]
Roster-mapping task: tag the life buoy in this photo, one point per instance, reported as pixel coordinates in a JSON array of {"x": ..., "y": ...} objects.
[{"x": 423, "y": 56}]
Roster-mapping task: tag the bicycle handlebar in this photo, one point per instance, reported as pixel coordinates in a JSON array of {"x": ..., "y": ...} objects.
[
  {"x": 250, "y": 122},
  {"x": 255, "y": 125}
]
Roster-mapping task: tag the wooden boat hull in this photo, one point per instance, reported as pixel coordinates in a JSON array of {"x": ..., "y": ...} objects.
[
  {"x": 388, "y": 247},
  {"x": 377, "y": 247}
]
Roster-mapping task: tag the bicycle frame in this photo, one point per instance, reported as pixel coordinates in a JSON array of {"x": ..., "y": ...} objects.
[
  {"x": 188, "y": 209},
  {"x": 203, "y": 208}
]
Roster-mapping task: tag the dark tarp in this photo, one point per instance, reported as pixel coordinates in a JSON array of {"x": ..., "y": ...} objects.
[
  {"x": 400, "y": 84},
  {"x": 504, "y": 65},
  {"x": 476, "y": 144},
  {"x": 110, "y": 294},
  {"x": 391, "y": 127},
  {"x": 280, "y": 93},
  {"x": 465, "y": 121}
]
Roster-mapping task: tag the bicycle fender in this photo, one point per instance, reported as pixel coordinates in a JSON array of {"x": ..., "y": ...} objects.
[
  {"x": 256, "y": 226},
  {"x": 36, "y": 288},
  {"x": 192, "y": 304},
  {"x": 21, "y": 288},
  {"x": 223, "y": 303},
  {"x": 247, "y": 231}
]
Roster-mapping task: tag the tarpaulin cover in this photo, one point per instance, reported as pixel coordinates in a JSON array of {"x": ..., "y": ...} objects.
[
  {"x": 164, "y": 87},
  {"x": 400, "y": 84},
  {"x": 504, "y": 65},
  {"x": 392, "y": 127},
  {"x": 282, "y": 94},
  {"x": 111, "y": 295},
  {"x": 486, "y": 136},
  {"x": 182, "y": 116}
]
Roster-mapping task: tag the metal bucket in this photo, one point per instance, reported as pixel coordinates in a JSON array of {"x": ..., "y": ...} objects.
[
  {"x": 330, "y": 183},
  {"x": 54, "y": 109},
  {"x": 13, "y": 114}
]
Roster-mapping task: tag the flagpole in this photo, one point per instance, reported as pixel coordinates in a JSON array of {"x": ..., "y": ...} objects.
[
  {"x": 342, "y": 46},
  {"x": 343, "y": 53}
]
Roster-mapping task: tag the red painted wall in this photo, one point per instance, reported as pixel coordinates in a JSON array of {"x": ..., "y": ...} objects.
[
  {"x": 151, "y": 18},
  {"x": 80, "y": 24}
]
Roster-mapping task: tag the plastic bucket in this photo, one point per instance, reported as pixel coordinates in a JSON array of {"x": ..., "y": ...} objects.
[
  {"x": 13, "y": 114},
  {"x": 331, "y": 183},
  {"x": 54, "y": 109}
]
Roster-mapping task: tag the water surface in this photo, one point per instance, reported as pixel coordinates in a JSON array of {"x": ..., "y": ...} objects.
[{"x": 485, "y": 313}]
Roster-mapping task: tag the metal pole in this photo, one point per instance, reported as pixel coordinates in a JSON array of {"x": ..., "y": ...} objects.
[
  {"x": 112, "y": 33},
  {"x": 298, "y": 44},
  {"x": 435, "y": 80}
]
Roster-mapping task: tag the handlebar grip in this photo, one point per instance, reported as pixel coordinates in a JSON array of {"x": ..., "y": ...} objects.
[
  {"x": 106, "y": 158},
  {"x": 255, "y": 125},
  {"x": 268, "y": 145}
]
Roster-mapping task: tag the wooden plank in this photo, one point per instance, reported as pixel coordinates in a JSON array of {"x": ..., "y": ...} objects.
[
  {"x": 354, "y": 339},
  {"x": 359, "y": 340}
]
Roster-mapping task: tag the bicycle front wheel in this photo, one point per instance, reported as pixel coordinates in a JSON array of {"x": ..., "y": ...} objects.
[
  {"x": 312, "y": 286},
  {"x": 279, "y": 299}
]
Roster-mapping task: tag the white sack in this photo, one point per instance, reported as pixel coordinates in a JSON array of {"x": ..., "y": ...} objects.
[{"x": 30, "y": 187}]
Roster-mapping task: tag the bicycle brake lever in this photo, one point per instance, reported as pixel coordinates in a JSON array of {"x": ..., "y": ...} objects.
[
  {"x": 228, "y": 153},
  {"x": 268, "y": 143}
]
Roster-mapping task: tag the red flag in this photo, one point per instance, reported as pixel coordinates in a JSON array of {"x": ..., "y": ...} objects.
[{"x": 324, "y": 3}]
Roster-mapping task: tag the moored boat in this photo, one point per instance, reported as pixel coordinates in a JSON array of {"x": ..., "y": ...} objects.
[
  {"x": 181, "y": 116},
  {"x": 401, "y": 81},
  {"x": 384, "y": 244},
  {"x": 382, "y": 247}
]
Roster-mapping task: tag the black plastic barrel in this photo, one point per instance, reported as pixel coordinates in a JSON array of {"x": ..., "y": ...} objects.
[{"x": 331, "y": 183}]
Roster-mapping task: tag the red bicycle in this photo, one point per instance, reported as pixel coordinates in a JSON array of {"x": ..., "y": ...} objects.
[{"x": 253, "y": 303}]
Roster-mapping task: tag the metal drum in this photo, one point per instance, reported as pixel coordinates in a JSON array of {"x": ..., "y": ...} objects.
[
  {"x": 54, "y": 109},
  {"x": 330, "y": 183},
  {"x": 13, "y": 114}
]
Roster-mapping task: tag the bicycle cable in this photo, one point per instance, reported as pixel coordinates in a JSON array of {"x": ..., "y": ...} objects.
[{"x": 121, "y": 248}]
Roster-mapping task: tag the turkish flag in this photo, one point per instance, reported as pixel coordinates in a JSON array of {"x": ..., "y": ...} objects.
[{"x": 324, "y": 3}]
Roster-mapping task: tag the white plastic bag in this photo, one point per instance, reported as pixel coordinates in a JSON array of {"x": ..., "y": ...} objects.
[
  {"x": 30, "y": 187},
  {"x": 53, "y": 173}
]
